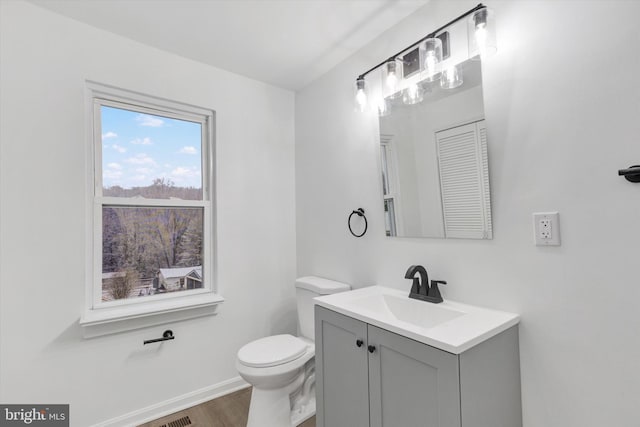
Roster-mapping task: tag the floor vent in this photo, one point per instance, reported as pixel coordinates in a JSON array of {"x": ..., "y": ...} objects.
[{"x": 180, "y": 422}]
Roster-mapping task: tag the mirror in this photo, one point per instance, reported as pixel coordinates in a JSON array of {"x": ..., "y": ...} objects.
[{"x": 434, "y": 166}]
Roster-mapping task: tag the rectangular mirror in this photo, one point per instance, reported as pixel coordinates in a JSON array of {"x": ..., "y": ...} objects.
[{"x": 434, "y": 165}]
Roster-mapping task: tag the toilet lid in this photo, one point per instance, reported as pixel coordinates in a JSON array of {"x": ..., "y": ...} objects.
[{"x": 271, "y": 351}]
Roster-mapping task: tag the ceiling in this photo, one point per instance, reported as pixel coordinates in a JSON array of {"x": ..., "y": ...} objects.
[{"x": 287, "y": 43}]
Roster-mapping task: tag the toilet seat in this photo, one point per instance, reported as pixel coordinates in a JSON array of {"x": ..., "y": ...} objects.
[{"x": 272, "y": 351}]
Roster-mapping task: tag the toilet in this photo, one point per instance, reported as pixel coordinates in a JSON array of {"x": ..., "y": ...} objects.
[{"x": 281, "y": 368}]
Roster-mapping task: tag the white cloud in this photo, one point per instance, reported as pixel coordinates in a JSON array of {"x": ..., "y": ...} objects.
[
  {"x": 119, "y": 148},
  {"x": 184, "y": 173},
  {"x": 139, "y": 177},
  {"x": 181, "y": 172},
  {"x": 144, "y": 171},
  {"x": 114, "y": 166},
  {"x": 109, "y": 135},
  {"x": 141, "y": 141},
  {"x": 147, "y": 120},
  {"x": 113, "y": 175},
  {"x": 141, "y": 159},
  {"x": 189, "y": 150}
]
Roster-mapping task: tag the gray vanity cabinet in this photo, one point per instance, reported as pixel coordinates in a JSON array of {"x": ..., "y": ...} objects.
[
  {"x": 367, "y": 376},
  {"x": 412, "y": 382},
  {"x": 343, "y": 367}
]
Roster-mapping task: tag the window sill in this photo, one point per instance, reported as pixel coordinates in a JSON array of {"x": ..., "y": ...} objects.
[{"x": 111, "y": 320}]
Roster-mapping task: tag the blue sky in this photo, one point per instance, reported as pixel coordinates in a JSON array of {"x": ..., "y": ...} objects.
[{"x": 138, "y": 148}]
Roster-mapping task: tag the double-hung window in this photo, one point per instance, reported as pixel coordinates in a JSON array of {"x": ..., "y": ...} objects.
[
  {"x": 152, "y": 211},
  {"x": 389, "y": 184}
]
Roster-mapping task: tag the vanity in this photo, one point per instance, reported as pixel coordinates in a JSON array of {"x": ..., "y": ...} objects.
[{"x": 384, "y": 360}]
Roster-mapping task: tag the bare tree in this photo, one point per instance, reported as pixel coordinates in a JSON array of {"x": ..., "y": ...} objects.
[
  {"x": 146, "y": 239},
  {"x": 121, "y": 287}
]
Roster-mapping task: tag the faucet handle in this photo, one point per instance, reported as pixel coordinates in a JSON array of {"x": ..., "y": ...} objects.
[{"x": 434, "y": 292}]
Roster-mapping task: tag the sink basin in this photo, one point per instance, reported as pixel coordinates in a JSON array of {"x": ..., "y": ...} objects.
[
  {"x": 450, "y": 326},
  {"x": 407, "y": 310}
]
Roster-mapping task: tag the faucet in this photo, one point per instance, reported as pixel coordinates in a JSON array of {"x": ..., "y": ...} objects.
[{"x": 420, "y": 289}]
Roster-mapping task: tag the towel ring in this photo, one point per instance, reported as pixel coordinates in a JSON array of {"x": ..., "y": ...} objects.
[{"x": 359, "y": 212}]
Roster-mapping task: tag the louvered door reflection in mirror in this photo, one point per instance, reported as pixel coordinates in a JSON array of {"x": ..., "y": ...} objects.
[{"x": 434, "y": 162}]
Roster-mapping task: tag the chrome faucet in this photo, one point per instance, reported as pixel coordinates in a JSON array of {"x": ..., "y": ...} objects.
[{"x": 421, "y": 289}]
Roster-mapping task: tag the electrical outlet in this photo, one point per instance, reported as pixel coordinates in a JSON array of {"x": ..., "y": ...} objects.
[{"x": 546, "y": 228}]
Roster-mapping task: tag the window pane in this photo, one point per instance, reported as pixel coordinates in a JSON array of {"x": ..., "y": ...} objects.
[
  {"x": 145, "y": 155},
  {"x": 150, "y": 251}
]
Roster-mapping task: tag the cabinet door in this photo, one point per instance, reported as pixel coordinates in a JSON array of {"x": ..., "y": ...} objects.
[
  {"x": 411, "y": 384},
  {"x": 342, "y": 389}
]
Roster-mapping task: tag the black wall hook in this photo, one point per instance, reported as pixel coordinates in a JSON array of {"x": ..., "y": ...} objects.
[
  {"x": 360, "y": 213},
  {"x": 631, "y": 174}
]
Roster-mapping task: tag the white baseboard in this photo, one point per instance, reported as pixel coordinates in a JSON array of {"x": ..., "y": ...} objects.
[{"x": 175, "y": 404}]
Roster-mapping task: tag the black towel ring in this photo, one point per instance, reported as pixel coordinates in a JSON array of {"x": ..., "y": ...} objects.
[{"x": 359, "y": 212}]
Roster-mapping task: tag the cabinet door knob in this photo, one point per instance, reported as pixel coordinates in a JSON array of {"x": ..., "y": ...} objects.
[
  {"x": 372, "y": 348},
  {"x": 359, "y": 343}
]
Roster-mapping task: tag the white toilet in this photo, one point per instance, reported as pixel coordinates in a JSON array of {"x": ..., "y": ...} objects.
[{"x": 281, "y": 367}]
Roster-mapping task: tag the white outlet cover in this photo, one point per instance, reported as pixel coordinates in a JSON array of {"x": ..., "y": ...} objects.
[{"x": 540, "y": 220}]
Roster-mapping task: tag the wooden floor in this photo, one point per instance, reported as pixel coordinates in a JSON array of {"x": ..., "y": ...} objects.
[{"x": 226, "y": 411}]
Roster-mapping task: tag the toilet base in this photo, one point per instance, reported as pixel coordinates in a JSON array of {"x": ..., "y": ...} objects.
[
  {"x": 303, "y": 401},
  {"x": 272, "y": 408},
  {"x": 302, "y": 414}
]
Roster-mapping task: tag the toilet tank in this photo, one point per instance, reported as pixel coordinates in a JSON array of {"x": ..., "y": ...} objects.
[{"x": 307, "y": 288}]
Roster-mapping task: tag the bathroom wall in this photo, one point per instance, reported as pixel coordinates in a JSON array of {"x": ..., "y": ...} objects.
[
  {"x": 562, "y": 105},
  {"x": 45, "y": 59}
]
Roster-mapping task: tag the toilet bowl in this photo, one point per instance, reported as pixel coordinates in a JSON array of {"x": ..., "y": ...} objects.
[
  {"x": 281, "y": 367},
  {"x": 275, "y": 374}
]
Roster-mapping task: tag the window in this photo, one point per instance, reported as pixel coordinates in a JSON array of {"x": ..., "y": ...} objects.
[
  {"x": 152, "y": 211},
  {"x": 389, "y": 184}
]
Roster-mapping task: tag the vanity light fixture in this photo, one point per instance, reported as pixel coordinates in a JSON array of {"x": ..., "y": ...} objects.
[
  {"x": 482, "y": 42},
  {"x": 413, "y": 94},
  {"x": 481, "y": 34},
  {"x": 451, "y": 77},
  {"x": 391, "y": 74},
  {"x": 361, "y": 95},
  {"x": 432, "y": 53}
]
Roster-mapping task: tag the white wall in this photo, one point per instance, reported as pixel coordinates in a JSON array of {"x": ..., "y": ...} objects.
[
  {"x": 45, "y": 60},
  {"x": 562, "y": 103}
]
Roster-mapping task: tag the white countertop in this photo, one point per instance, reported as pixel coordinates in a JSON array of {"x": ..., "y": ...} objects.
[{"x": 450, "y": 326}]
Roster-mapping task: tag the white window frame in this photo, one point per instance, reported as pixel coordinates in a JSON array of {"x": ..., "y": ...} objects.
[
  {"x": 154, "y": 309},
  {"x": 393, "y": 185}
]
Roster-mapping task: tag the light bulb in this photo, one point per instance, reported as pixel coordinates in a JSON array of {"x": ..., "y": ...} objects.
[
  {"x": 391, "y": 77},
  {"x": 430, "y": 62},
  {"x": 451, "y": 77},
  {"x": 432, "y": 57},
  {"x": 482, "y": 38},
  {"x": 413, "y": 94},
  {"x": 361, "y": 95},
  {"x": 392, "y": 81}
]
